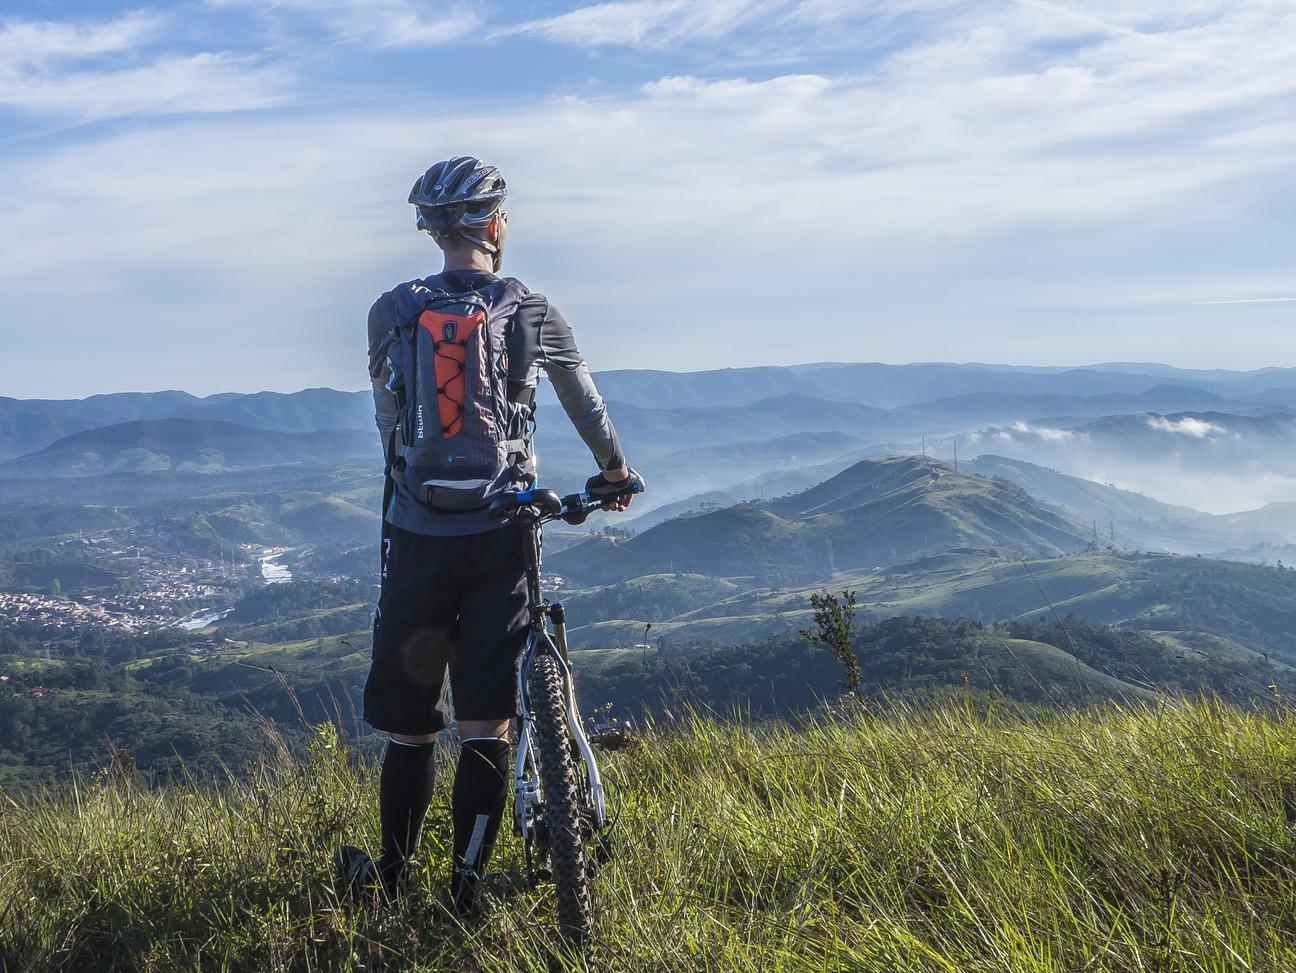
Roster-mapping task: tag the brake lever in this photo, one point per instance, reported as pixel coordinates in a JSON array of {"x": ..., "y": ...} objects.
[{"x": 574, "y": 510}]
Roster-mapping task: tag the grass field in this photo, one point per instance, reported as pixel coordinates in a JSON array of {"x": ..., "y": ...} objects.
[{"x": 1150, "y": 839}]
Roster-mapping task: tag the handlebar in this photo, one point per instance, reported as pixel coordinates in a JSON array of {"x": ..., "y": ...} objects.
[{"x": 541, "y": 505}]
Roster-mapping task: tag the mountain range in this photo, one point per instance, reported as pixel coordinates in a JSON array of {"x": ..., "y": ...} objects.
[
  {"x": 186, "y": 446},
  {"x": 927, "y": 391},
  {"x": 1088, "y": 441}
]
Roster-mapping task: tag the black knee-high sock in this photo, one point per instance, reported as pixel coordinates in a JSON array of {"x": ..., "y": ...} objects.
[
  {"x": 404, "y": 792},
  {"x": 481, "y": 787}
]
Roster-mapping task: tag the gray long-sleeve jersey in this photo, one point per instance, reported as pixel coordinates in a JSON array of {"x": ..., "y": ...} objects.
[{"x": 538, "y": 337}]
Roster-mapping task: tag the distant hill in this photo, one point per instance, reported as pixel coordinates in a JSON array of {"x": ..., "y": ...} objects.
[
  {"x": 875, "y": 512},
  {"x": 1276, "y": 519},
  {"x": 110, "y": 408},
  {"x": 1214, "y": 461},
  {"x": 669, "y": 428},
  {"x": 1145, "y": 426},
  {"x": 320, "y": 522},
  {"x": 310, "y": 410},
  {"x": 184, "y": 446},
  {"x": 880, "y": 385},
  {"x": 1175, "y": 432},
  {"x": 1215, "y": 436},
  {"x": 1140, "y": 521},
  {"x": 28, "y": 425},
  {"x": 22, "y": 432},
  {"x": 1247, "y": 610},
  {"x": 996, "y": 407}
]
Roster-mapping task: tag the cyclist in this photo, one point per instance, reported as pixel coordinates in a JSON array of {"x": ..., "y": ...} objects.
[{"x": 454, "y": 599}]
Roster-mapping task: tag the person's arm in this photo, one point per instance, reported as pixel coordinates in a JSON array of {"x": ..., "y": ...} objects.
[
  {"x": 385, "y": 412},
  {"x": 578, "y": 395}
]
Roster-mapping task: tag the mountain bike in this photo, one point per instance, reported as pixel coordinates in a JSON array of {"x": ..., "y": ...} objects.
[{"x": 559, "y": 808}]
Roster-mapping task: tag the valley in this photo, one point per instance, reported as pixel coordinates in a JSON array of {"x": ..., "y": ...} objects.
[{"x": 159, "y": 548}]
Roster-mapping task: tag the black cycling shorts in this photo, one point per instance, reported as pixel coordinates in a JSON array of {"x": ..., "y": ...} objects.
[{"x": 447, "y": 602}]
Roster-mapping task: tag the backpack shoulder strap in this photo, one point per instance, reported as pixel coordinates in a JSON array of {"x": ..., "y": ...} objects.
[{"x": 504, "y": 296}]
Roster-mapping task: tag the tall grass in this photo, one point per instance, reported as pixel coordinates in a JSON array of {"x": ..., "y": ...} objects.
[{"x": 946, "y": 839}]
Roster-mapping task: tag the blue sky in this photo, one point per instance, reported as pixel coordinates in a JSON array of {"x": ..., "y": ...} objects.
[{"x": 209, "y": 195}]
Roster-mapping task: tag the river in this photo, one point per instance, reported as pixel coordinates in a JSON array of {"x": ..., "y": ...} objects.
[
  {"x": 271, "y": 570},
  {"x": 202, "y": 618}
]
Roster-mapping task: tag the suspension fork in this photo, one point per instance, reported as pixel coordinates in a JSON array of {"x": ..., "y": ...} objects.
[
  {"x": 526, "y": 797},
  {"x": 557, "y": 614}
]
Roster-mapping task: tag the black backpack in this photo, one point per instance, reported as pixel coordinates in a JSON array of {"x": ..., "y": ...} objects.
[{"x": 462, "y": 440}]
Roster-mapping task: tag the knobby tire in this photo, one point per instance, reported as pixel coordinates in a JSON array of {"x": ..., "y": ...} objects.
[{"x": 562, "y": 805}]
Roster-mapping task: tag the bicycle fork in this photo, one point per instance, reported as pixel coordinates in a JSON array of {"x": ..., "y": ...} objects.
[{"x": 528, "y": 806}]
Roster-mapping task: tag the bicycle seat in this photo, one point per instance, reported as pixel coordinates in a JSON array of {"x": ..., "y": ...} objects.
[{"x": 528, "y": 504}]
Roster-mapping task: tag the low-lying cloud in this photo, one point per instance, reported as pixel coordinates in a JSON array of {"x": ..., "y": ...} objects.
[
  {"x": 1186, "y": 426},
  {"x": 1020, "y": 431},
  {"x": 1219, "y": 465}
]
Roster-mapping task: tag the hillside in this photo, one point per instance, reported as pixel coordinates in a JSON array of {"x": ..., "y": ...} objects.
[
  {"x": 1140, "y": 521},
  {"x": 877, "y": 512},
  {"x": 309, "y": 410},
  {"x": 1213, "y": 461},
  {"x": 1252, "y": 605},
  {"x": 1151, "y": 838},
  {"x": 21, "y": 432},
  {"x": 998, "y": 407},
  {"x": 893, "y": 386},
  {"x": 302, "y": 647},
  {"x": 1273, "y": 519},
  {"x": 290, "y": 517},
  {"x": 720, "y": 431},
  {"x": 185, "y": 446},
  {"x": 1086, "y": 498}
]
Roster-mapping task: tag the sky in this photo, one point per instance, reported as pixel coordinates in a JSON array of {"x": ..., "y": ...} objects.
[{"x": 210, "y": 195}]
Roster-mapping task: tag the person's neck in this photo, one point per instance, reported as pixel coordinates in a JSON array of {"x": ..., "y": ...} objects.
[{"x": 475, "y": 260}]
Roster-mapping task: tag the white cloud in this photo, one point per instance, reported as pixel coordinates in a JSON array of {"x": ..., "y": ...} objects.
[
  {"x": 26, "y": 43},
  {"x": 1079, "y": 15},
  {"x": 59, "y": 69},
  {"x": 1048, "y": 434},
  {"x": 1248, "y": 300},
  {"x": 385, "y": 23},
  {"x": 170, "y": 84},
  {"x": 1016, "y": 131},
  {"x": 650, "y": 23},
  {"x": 1187, "y": 426},
  {"x": 1016, "y": 432}
]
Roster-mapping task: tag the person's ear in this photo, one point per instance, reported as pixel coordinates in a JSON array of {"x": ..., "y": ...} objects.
[{"x": 492, "y": 229}]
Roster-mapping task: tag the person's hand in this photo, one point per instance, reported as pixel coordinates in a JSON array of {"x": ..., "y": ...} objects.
[{"x": 614, "y": 487}]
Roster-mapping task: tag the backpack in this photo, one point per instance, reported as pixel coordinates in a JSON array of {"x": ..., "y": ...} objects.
[{"x": 462, "y": 440}]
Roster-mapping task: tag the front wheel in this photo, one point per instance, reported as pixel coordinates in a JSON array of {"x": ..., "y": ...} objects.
[{"x": 560, "y": 792}]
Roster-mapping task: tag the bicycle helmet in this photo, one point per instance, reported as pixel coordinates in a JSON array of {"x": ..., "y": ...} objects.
[{"x": 460, "y": 196}]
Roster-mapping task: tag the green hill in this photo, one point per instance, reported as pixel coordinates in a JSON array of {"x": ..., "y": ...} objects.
[
  {"x": 890, "y": 838},
  {"x": 322, "y": 521},
  {"x": 1250, "y": 605},
  {"x": 654, "y": 595},
  {"x": 877, "y": 512},
  {"x": 184, "y": 446}
]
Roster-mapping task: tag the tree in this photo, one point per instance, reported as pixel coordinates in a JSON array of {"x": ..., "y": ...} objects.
[{"x": 835, "y": 630}]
